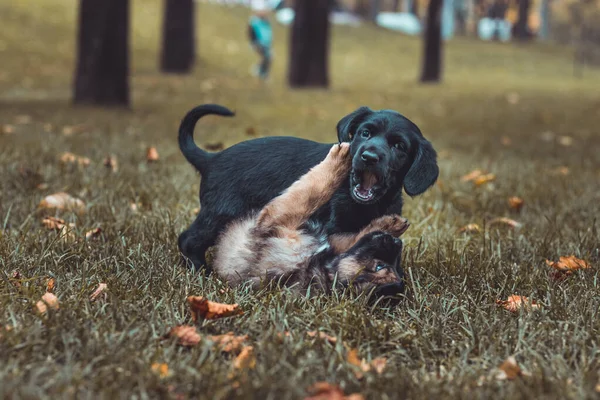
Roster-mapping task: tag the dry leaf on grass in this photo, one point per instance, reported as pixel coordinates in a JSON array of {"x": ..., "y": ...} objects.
[
  {"x": 566, "y": 266},
  {"x": 250, "y": 131},
  {"x": 99, "y": 291},
  {"x": 50, "y": 285},
  {"x": 203, "y": 308},
  {"x": 471, "y": 176},
  {"x": 483, "y": 179},
  {"x": 62, "y": 201},
  {"x": 7, "y": 129},
  {"x": 514, "y": 303},
  {"x": 92, "y": 234},
  {"x": 48, "y": 301},
  {"x": 228, "y": 342},
  {"x": 161, "y": 369},
  {"x": 516, "y": 203},
  {"x": 282, "y": 335},
  {"x": 246, "y": 359},
  {"x": 327, "y": 391},
  {"x": 509, "y": 370},
  {"x": 186, "y": 335},
  {"x": 470, "y": 228},
  {"x": 111, "y": 163},
  {"x": 57, "y": 224},
  {"x": 511, "y": 223},
  {"x": 322, "y": 335},
  {"x": 152, "y": 154},
  {"x": 70, "y": 158},
  {"x": 378, "y": 364}
]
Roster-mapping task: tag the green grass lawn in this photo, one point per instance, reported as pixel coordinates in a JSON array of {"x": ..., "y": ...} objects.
[{"x": 512, "y": 110}]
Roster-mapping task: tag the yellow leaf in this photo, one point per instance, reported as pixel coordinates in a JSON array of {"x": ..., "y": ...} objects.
[{"x": 246, "y": 359}]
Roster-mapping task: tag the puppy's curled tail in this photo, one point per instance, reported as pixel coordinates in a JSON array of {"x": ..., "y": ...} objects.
[{"x": 194, "y": 154}]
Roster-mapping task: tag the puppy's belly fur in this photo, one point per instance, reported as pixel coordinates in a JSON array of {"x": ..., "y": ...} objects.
[{"x": 244, "y": 257}]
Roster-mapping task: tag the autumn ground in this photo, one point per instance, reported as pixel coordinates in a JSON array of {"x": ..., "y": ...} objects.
[{"x": 514, "y": 111}]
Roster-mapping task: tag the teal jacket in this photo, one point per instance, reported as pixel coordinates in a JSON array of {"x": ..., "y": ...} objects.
[{"x": 260, "y": 31}]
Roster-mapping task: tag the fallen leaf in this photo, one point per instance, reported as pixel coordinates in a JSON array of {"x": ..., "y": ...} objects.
[
  {"x": 509, "y": 370},
  {"x": 514, "y": 303},
  {"x": 506, "y": 141},
  {"x": 7, "y": 129},
  {"x": 214, "y": 146},
  {"x": 92, "y": 234},
  {"x": 282, "y": 335},
  {"x": 483, "y": 179},
  {"x": 50, "y": 285},
  {"x": 565, "y": 141},
  {"x": 134, "y": 206},
  {"x": 70, "y": 158},
  {"x": 471, "y": 176},
  {"x": 250, "y": 131},
  {"x": 228, "y": 342},
  {"x": 379, "y": 364},
  {"x": 186, "y": 335},
  {"x": 161, "y": 369},
  {"x": 99, "y": 290},
  {"x": 565, "y": 266},
  {"x": 203, "y": 308},
  {"x": 62, "y": 201},
  {"x": 48, "y": 301},
  {"x": 111, "y": 163},
  {"x": 516, "y": 203},
  {"x": 246, "y": 359},
  {"x": 322, "y": 335},
  {"x": 152, "y": 154},
  {"x": 56, "y": 224},
  {"x": 505, "y": 221},
  {"x": 66, "y": 234},
  {"x": 195, "y": 211},
  {"x": 327, "y": 391},
  {"x": 563, "y": 171},
  {"x": 362, "y": 365},
  {"x": 470, "y": 228}
]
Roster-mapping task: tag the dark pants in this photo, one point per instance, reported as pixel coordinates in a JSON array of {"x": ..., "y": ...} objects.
[{"x": 265, "y": 63}]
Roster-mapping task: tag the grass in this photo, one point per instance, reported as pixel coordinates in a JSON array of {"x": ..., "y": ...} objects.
[{"x": 446, "y": 335}]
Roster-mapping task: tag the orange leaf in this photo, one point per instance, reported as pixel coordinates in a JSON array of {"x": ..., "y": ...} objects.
[
  {"x": 94, "y": 233},
  {"x": 516, "y": 203},
  {"x": 203, "y": 308},
  {"x": 7, "y": 129},
  {"x": 99, "y": 290},
  {"x": 363, "y": 366},
  {"x": 483, "y": 179},
  {"x": 152, "y": 154},
  {"x": 471, "y": 176},
  {"x": 50, "y": 285},
  {"x": 514, "y": 303},
  {"x": 327, "y": 391},
  {"x": 509, "y": 370},
  {"x": 322, "y": 335},
  {"x": 505, "y": 221},
  {"x": 228, "y": 342},
  {"x": 568, "y": 264},
  {"x": 379, "y": 364},
  {"x": 111, "y": 163},
  {"x": 470, "y": 228},
  {"x": 186, "y": 335},
  {"x": 56, "y": 223},
  {"x": 161, "y": 369},
  {"x": 70, "y": 158},
  {"x": 48, "y": 301},
  {"x": 62, "y": 201},
  {"x": 246, "y": 359}
]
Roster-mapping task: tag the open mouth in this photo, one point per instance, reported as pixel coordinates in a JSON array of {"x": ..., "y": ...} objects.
[{"x": 365, "y": 190}]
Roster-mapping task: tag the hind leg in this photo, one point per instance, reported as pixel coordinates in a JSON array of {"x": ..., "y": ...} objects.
[{"x": 195, "y": 241}]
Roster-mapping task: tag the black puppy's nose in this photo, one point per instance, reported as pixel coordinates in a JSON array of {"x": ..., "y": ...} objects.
[{"x": 369, "y": 157}]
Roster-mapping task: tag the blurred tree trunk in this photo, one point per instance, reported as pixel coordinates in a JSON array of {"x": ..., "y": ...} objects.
[
  {"x": 361, "y": 7},
  {"x": 521, "y": 30},
  {"x": 432, "y": 43},
  {"x": 309, "y": 44},
  {"x": 178, "y": 43},
  {"x": 396, "y": 6},
  {"x": 375, "y": 9},
  {"x": 544, "y": 32},
  {"x": 102, "y": 72}
]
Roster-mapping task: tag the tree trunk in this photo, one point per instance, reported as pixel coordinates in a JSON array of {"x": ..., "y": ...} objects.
[
  {"x": 396, "y": 6},
  {"x": 102, "y": 72},
  {"x": 309, "y": 44},
  {"x": 375, "y": 9},
  {"x": 414, "y": 7},
  {"x": 544, "y": 32},
  {"x": 521, "y": 30},
  {"x": 432, "y": 43},
  {"x": 178, "y": 43}
]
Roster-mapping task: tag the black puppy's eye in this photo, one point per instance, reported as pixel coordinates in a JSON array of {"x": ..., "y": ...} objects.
[
  {"x": 400, "y": 146},
  {"x": 365, "y": 133},
  {"x": 379, "y": 267}
]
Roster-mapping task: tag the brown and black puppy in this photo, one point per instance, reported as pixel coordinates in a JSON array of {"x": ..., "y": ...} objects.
[{"x": 280, "y": 244}]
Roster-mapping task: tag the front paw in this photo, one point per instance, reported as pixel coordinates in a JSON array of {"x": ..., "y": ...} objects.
[
  {"x": 395, "y": 225},
  {"x": 339, "y": 153}
]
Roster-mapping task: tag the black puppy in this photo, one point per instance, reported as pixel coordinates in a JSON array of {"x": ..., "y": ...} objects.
[{"x": 388, "y": 153}]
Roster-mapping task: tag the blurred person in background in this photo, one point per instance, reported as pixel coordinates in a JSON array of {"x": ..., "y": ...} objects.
[{"x": 261, "y": 36}]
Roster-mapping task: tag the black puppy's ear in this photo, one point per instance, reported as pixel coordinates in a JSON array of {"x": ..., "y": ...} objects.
[
  {"x": 347, "y": 126},
  {"x": 424, "y": 170}
]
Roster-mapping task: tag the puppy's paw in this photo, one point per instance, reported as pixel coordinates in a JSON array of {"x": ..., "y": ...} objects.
[
  {"x": 395, "y": 225},
  {"x": 339, "y": 154}
]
